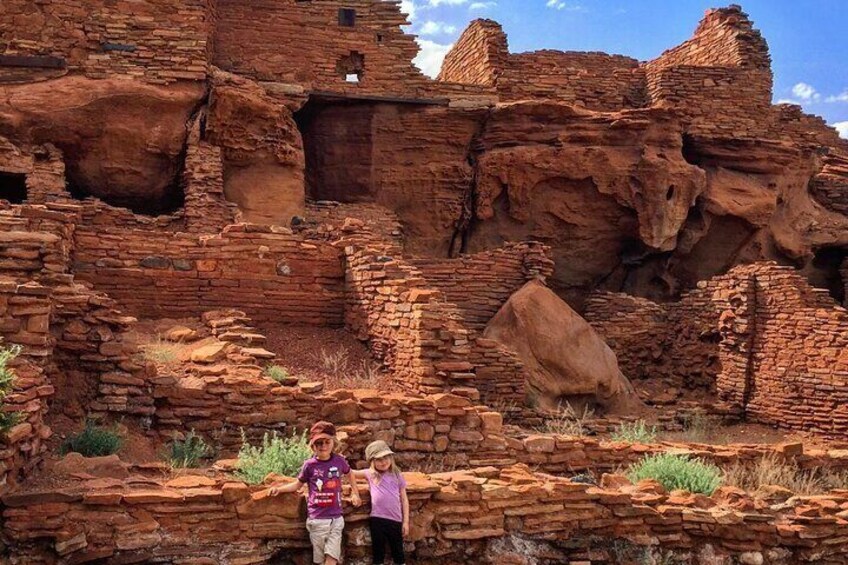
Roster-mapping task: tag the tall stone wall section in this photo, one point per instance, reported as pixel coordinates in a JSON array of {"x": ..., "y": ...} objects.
[
  {"x": 160, "y": 41},
  {"x": 422, "y": 336},
  {"x": 798, "y": 352},
  {"x": 720, "y": 79},
  {"x": 478, "y": 56},
  {"x": 206, "y": 207},
  {"x": 303, "y": 43}
]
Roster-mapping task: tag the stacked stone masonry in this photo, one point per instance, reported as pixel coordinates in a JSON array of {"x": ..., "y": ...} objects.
[
  {"x": 454, "y": 518},
  {"x": 481, "y": 283},
  {"x": 422, "y": 337},
  {"x": 159, "y": 41},
  {"x": 768, "y": 343}
]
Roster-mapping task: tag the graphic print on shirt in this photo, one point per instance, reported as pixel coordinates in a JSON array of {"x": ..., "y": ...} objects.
[{"x": 326, "y": 491}]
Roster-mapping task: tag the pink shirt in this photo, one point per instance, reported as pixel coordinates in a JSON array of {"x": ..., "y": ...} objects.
[{"x": 386, "y": 496}]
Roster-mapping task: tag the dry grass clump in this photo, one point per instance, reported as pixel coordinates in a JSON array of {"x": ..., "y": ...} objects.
[
  {"x": 569, "y": 422},
  {"x": 771, "y": 470},
  {"x": 699, "y": 428},
  {"x": 161, "y": 351},
  {"x": 337, "y": 367},
  {"x": 636, "y": 432}
]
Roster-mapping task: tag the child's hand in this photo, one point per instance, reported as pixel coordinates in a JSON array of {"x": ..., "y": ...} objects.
[
  {"x": 355, "y": 499},
  {"x": 273, "y": 491},
  {"x": 405, "y": 529}
]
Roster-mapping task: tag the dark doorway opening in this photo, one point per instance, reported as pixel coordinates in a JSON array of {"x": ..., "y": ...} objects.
[
  {"x": 338, "y": 143},
  {"x": 13, "y": 187},
  {"x": 166, "y": 201}
]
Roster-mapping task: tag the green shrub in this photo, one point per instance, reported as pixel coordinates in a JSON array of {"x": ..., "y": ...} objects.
[
  {"x": 637, "y": 432},
  {"x": 93, "y": 441},
  {"x": 188, "y": 452},
  {"x": 276, "y": 372},
  {"x": 281, "y": 455},
  {"x": 677, "y": 472},
  {"x": 8, "y": 420}
]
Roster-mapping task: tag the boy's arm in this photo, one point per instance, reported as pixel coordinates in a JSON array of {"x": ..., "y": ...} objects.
[
  {"x": 405, "y": 505},
  {"x": 355, "y": 499},
  {"x": 292, "y": 486}
]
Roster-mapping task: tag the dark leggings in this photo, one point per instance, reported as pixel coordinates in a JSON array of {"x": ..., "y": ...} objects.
[{"x": 386, "y": 531}]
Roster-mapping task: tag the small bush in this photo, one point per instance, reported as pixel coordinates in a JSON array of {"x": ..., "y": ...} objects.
[
  {"x": 93, "y": 441},
  {"x": 568, "y": 422},
  {"x": 677, "y": 472},
  {"x": 8, "y": 420},
  {"x": 637, "y": 432},
  {"x": 281, "y": 455},
  {"x": 276, "y": 373},
  {"x": 771, "y": 470},
  {"x": 189, "y": 452}
]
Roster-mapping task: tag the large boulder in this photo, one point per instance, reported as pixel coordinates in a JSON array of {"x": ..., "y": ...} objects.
[{"x": 566, "y": 360}]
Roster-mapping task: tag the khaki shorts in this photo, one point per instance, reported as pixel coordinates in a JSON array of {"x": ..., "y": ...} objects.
[{"x": 326, "y": 538}]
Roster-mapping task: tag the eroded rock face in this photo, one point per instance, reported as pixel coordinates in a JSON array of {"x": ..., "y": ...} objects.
[
  {"x": 262, "y": 150},
  {"x": 122, "y": 139},
  {"x": 566, "y": 359},
  {"x": 597, "y": 188}
]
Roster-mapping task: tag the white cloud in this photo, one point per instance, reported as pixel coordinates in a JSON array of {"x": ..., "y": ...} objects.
[
  {"x": 408, "y": 7},
  {"x": 788, "y": 101},
  {"x": 838, "y": 98},
  {"x": 842, "y": 128},
  {"x": 429, "y": 60},
  {"x": 446, "y": 2},
  {"x": 806, "y": 92},
  {"x": 481, "y": 5},
  {"x": 436, "y": 28}
]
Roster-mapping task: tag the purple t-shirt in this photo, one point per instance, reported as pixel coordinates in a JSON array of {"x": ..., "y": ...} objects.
[
  {"x": 325, "y": 485},
  {"x": 385, "y": 496}
]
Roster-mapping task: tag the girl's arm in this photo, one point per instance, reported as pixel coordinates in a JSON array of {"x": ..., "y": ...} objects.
[
  {"x": 404, "y": 500},
  {"x": 355, "y": 499},
  {"x": 361, "y": 474},
  {"x": 292, "y": 486}
]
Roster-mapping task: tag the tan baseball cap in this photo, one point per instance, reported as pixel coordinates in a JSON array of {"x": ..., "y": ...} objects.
[{"x": 377, "y": 449}]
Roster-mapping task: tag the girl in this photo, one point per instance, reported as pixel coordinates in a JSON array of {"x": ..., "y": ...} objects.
[
  {"x": 323, "y": 475},
  {"x": 389, "y": 503}
]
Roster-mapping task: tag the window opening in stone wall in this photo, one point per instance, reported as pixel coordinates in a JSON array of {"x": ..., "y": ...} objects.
[
  {"x": 351, "y": 67},
  {"x": 347, "y": 17},
  {"x": 379, "y": 38},
  {"x": 13, "y": 187}
]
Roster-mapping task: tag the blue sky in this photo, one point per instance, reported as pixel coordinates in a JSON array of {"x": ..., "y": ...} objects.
[{"x": 808, "y": 39}]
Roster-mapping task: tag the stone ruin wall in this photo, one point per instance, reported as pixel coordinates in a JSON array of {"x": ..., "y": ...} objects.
[
  {"x": 43, "y": 167},
  {"x": 421, "y": 335},
  {"x": 159, "y": 41},
  {"x": 768, "y": 343},
  {"x": 481, "y": 283},
  {"x": 593, "y": 80},
  {"x": 24, "y": 321},
  {"x": 274, "y": 277},
  {"x": 454, "y": 517},
  {"x": 254, "y": 39}
]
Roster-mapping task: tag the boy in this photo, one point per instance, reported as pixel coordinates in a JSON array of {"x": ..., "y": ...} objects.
[{"x": 322, "y": 473}]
